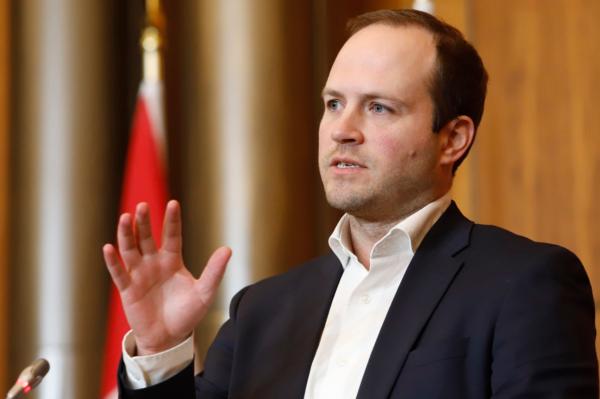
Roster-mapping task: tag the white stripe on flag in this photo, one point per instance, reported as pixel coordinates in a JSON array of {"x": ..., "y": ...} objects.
[{"x": 114, "y": 394}]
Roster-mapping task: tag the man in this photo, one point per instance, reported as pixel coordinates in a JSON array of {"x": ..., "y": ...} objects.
[{"x": 415, "y": 301}]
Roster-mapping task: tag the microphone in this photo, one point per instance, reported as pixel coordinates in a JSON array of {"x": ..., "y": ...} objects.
[{"x": 29, "y": 378}]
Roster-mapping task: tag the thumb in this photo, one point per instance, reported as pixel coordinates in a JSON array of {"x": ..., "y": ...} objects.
[{"x": 212, "y": 274}]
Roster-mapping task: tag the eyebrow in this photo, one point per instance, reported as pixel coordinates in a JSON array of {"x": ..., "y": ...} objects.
[
  {"x": 365, "y": 96},
  {"x": 331, "y": 92}
]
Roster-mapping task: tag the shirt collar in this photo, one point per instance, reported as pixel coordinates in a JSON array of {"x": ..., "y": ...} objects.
[{"x": 415, "y": 227}]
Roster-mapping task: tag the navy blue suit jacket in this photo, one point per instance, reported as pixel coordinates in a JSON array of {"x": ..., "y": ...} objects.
[{"x": 480, "y": 313}]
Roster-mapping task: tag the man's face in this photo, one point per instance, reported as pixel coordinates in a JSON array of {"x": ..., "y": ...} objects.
[{"x": 378, "y": 156}]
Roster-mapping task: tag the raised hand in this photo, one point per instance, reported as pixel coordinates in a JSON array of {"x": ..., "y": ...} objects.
[{"x": 162, "y": 301}]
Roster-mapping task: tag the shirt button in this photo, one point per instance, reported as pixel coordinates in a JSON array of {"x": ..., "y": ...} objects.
[
  {"x": 365, "y": 298},
  {"x": 342, "y": 362}
]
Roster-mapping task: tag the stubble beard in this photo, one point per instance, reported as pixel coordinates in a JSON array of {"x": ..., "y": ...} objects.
[
  {"x": 357, "y": 201},
  {"x": 348, "y": 197},
  {"x": 375, "y": 202},
  {"x": 349, "y": 203}
]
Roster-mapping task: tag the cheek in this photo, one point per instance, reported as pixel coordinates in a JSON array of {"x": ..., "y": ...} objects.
[
  {"x": 323, "y": 131},
  {"x": 392, "y": 150}
]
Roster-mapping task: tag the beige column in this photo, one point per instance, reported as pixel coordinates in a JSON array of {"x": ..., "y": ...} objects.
[
  {"x": 241, "y": 76},
  {"x": 63, "y": 202}
]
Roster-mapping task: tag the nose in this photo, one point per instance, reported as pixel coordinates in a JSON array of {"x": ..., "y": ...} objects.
[{"x": 346, "y": 128}]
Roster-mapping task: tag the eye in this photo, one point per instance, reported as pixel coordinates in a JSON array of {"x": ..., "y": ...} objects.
[
  {"x": 379, "y": 108},
  {"x": 333, "y": 104}
]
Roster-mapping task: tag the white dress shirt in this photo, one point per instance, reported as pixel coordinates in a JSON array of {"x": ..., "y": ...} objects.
[
  {"x": 144, "y": 371},
  {"x": 362, "y": 300},
  {"x": 358, "y": 309}
]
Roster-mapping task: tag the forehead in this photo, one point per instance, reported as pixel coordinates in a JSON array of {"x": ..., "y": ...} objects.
[{"x": 396, "y": 59}]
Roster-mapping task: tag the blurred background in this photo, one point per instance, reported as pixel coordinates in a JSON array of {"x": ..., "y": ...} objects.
[{"x": 242, "y": 83}]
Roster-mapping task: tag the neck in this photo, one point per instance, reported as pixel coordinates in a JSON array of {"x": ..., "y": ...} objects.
[{"x": 365, "y": 231}]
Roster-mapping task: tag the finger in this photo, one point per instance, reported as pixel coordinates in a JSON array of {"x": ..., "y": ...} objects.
[
  {"x": 143, "y": 229},
  {"x": 117, "y": 272},
  {"x": 127, "y": 242},
  {"x": 212, "y": 275},
  {"x": 171, "y": 236}
]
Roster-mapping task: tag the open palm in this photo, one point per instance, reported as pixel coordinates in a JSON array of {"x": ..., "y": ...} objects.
[{"x": 163, "y": 302}]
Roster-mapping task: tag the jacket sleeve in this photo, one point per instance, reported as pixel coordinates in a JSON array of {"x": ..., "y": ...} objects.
[
  {"x": 212, "y": 383},
  {"x": 180, "y": 385},
  {"x": 544, "y": 343}
]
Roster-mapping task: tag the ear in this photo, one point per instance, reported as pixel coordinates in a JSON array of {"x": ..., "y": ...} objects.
[{"x": 456, "y": 138}]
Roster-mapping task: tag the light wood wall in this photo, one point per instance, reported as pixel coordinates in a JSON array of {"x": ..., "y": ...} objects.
[{"x": 536, "y": 165}]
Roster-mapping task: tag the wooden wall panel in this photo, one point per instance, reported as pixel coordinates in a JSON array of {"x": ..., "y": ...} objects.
[
  {"x": 4, "y": 173},
  {"x": 453, "y": 12},
  {"x": 537, "y": 158}
]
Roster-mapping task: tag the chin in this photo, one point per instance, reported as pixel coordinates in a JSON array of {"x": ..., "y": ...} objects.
[{"x": 351, "y": 205}]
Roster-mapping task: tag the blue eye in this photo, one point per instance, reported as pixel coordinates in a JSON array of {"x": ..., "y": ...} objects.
[
  {"x": 333, "y": 105},
  {"x": 379, "y": 108}
]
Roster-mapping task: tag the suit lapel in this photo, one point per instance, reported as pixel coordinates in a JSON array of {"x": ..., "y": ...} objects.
[
  {"x": 317, "y": 294},
  {"x": 426, "y": 280}
]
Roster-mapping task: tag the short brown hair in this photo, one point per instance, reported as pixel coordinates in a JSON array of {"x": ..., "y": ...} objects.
[{"x": 459, "y": 82}]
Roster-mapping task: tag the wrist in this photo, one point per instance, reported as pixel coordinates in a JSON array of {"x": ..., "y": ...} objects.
[{"x": 142, "y": 349}]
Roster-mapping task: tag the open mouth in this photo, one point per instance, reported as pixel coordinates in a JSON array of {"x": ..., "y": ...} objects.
[{"x": 347, "y": 165}]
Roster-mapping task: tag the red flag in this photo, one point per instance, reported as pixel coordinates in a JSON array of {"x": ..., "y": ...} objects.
[{"x": 144, "y": 180}]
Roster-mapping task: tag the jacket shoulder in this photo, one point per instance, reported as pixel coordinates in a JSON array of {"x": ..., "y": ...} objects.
[
  {"x": 315, "y": 275},
  {"x": 497, "y": 243},
  {"x": 298, "y": 278}
]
